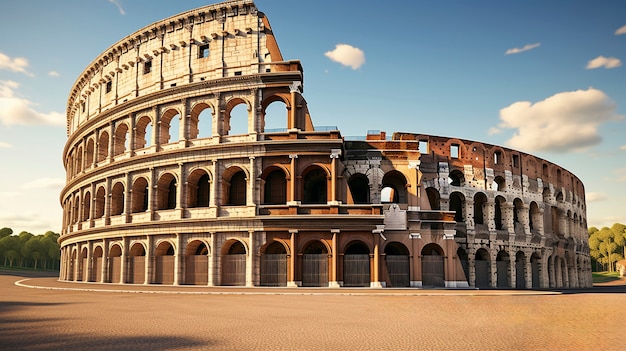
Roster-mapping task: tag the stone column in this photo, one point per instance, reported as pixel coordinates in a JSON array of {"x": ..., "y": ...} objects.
[
  {"x": 332, "y": 282},
  {"x": 291, "y": 280},
  {"x": 334, "y": 155},
  {"x": 251, "y": 259},
  {"x": 178, "y": 261},
  {"x": 124, "y": 265},
  {"x": 212, "y": 260}
]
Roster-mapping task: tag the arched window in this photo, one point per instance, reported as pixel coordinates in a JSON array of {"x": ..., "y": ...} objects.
[
  {"x": 275, "y": 188},
  {"x": 86, "y": 206},
  {"x": 359, "y": 189},
  {"x": 166, "y": 192},
  {"x": 198, "y": 194},
  {"x": 456, "y": 178},
  {"x": 275, "y": 116},
  {"x": 201, "y": 122},
  {"x": 315, "y": 186},
  {"x": 498, "y": 212},
  {"x": 236, "y": 117},
  {"x": 139, "y": 201},
  {"x": 480, "y": 201},
  {"x": 117, "y": 199},
  {"x": 103, "y": 146},
  {"x": 394, "y": 186},
  {"x": 119, "y": 144},
  {"x": 169, "y": 127},
  {"x": 89, "y": 153},
  {"x": 236, "y": 187},
  {"x": 433, "y": 198},
  {"x": 99, "y": 203},
  {"x": 499, "y": 184},
  {"x": 457, "y": 204},
  {"x": 143, "y": 133}
]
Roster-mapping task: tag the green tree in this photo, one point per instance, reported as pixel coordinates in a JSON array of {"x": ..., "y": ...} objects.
[
  {"x": 10, "y": 247},
  {"x": 4, "y": 232}
]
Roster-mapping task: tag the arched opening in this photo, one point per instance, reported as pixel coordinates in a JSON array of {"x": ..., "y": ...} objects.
[
  {"x": 535, "y": 266},
  {"x": 275, "y": 188},
  {"x": 315, "y": 186},
  {"x": 117, "y": 199},
  {"x": 201, "y": 122},
  {"x": 396, "y": 181},
  {"x": 236, "y": 119},
  {"x": 433, "y": 266},
  {"x": 359, "y": 189},
  {"x": 83, "y": 275},
  {"x": 164, "y": 263},
  {"x": 456, "y": 178},
  {"x": 235, "y": 187},
  {"x": 169, "y": 127},
  {"x": 397, "y": 264},
  {"x": 463, "y": 257},
  {"x": 315, "y": 264},
  {"x": 518, "y": 212},
  {"x": 103, "y": 146},
  {"x": 433, "y": 198},
  {"x": 534, "y": 217},
  {"x": 120, "y": 139},
  {"x": 480, "y": 203},
  {"x": 115, "y": 264},
  {"x": 197, "y": 263},
  {"x": 89, "y": 153},
  {"x": 520, "y": 270},
  {"x": 143, "y": 133},
  {"x": 198, "y": 189},
  {"x": 234, "y": 264},
  {"x": 97, "y": 264},
  {"x": 482, "y": 268},
  {"x": 99, "y": 203},
  {"x": 166, "y": 192},
  {"x": 79, "y": 160},
  {"x": 139, "y": 200},
  {"x": 356, "y": 265},
  {"x": 497, "y": 218},
  {"x": 503, "y": 268},
  {"x": 274, "y": 265},
  {"x": 499, "y": 184},
  {"x": 137, "y": 264},
  {"x": 457, "y": 204},
  {"x": 86, "y": 207},
  {"x": 275, "y": 117}
]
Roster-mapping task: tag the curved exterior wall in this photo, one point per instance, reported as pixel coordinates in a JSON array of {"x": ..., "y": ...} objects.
[{"x": 163, "y": 187}]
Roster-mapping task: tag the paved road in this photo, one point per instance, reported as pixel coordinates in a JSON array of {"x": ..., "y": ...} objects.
[{"x": 56, "y": 316}]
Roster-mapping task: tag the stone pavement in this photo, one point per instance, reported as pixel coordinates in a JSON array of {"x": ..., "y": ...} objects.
[{"x": 44, "y": 314}]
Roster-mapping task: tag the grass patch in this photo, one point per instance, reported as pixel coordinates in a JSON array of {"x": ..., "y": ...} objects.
[{"x": 604, "y": 277}]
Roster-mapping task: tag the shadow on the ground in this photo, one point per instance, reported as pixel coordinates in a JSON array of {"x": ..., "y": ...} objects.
[{"x": 43, "y": 334}]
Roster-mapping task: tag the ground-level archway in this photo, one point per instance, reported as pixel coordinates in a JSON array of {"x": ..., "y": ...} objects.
[
  {"x": 197, "y": 263},
  {"x": 397, "y": 264},
  {"x": 315, "y": 264},
  {"x": 433, "y": 274},
  {"x": 356, "y": 265},
  {"x": 234, "y": 265},
  {"x": 274, "y": 265}
]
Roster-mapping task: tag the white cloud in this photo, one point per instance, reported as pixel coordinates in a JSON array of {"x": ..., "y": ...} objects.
[
  {"x": 54, "y": 74},
  {"x": 18, "y": 64},
  {"x": 119, "y": 7},
  {"x": 606, "y": 62},
  {"x": 5, "y": 145},
  {"x": 562, "y": 122},
  {"x": 347, "y": 55},
  {"x": 494, "y": 130},
  {"x": 525, "y": 48},
  {"x": 594, "y": 197},
  {"x": 18, "y": 111},
  {"x": 623, "y": 147},
  {"x": 44, "y": 183},
  {"x": 621, "y": 30}
]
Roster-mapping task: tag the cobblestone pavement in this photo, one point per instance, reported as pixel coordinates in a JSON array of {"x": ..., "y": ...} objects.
[{"x": 75, "y": 316}]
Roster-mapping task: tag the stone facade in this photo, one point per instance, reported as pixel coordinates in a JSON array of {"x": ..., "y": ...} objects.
[{"x": 168, "y": 182}]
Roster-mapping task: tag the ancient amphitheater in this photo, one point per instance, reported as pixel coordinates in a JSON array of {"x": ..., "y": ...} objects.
[{"x": 192, "y": 159}]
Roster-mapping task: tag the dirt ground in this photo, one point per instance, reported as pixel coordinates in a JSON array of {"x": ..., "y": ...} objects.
[{"x": 76, "y": 316}]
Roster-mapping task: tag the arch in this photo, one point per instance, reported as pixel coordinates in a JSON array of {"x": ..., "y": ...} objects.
[
  {"x": 457, "y": 204},
  {"x": 520, "y": 270},
  {"x": 198, "y": 189},
  {"x": 234, "y": 263},
  {"x": 89, "y": 153},
  {"x": 456, "y": 178},
  {"x": 97, "y": 264},
  {"x": 275, "y": 114},
  {"x": 115, "y": 263},
  {"x": 433, "y": 198},
  {"x": 99, "y": 202},
  {"x": 274, "y": 186},
  {"x": 433, "y": 266},
  {"x": 103, "y": 146},
  {"x": 139, "y": 197},
  {"x": 197, "y": 263},
  {"x": 397, "y": 183},
  {"x": 356, "y": 265},
  {"x": 201, "y": 121},
  {"x": 274, "y": 264},
  {"x": 83, "y": 274},
  {"x": 166, "y": 192},
  {"x": 518, "y": 212},
  {"x": 315, "y": 185},
  {"x": 359, "y": 187},
  {"x": 480, "y": 203},
  {"x": 497, "y": 218},
  {"x": 120, "y": 139},
  {"x": 536, "y": 269},
  {"x": 137, "y": 263},
  {"x": 79, "y": 160},
  {"x": 143, "y": 133},
  {"x": 499, "y": 184},
  {"x": 315, "y": 256},
  {"x": 75, "y": 208},
  {"x": 397, "y": 263},
  {"x": 86, "y": 211},
  {"x": 235, "y": 186},
  {"x": 168, "y": 126},
  {"x": 534, "y": 217},
  {"x": 117, "y": 199},
  {"x": 236, "y": 117},
  {"x": 164, "y": 256},
  {"x": 482, "y": 268},
  {"x": 503, "y": 269}
]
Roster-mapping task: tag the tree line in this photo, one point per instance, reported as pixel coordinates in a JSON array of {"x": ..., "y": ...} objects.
[
  {"x": 26, "y": 250},
  {"x": 606, "y": 246}
]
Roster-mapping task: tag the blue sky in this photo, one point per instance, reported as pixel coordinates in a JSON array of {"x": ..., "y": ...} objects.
[{"x": 545, "y": 77}]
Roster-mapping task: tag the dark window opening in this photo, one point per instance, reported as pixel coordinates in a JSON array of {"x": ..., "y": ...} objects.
[
  {"x": 109, "y": 87},
  {"x": 203, "y": 51},
  {"x": 147, "y": 67}
]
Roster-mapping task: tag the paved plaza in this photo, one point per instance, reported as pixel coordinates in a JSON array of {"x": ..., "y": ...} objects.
[{"x": 40, "y": 313}]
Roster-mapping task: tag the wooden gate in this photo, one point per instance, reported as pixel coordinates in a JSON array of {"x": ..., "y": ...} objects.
[
  {"x": 356, "y": 270},
  {"x": 274, "y": 269},
  {"x": 164, "y": 272},
  {"x": 482, "y": 273},
  {"x": 315, "y": 270},
  {"x": 398, "y": 270},
  {"x": 433, "y": 271},
  {"x": 197, "y": 269},
  {"x": 116, "y": 269},
  {"x": 234, "y": 269},
  {"x": 137, "y": 269}
]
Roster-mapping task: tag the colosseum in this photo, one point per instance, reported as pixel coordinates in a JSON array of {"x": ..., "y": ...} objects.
[{"x": 192, "y": 159}]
